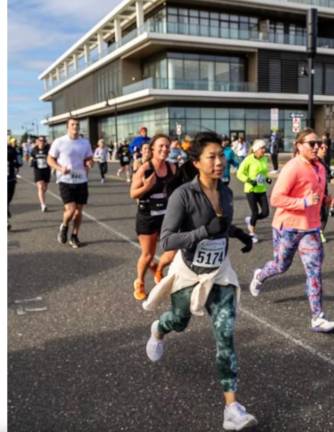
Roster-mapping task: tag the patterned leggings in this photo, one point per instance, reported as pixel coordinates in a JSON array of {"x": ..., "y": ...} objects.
[
  {"x": 310, "y": 250},
  {"x": 221, "y": 308}
]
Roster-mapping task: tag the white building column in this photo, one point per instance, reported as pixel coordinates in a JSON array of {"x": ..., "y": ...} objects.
[
  {"x": 45, "y": 83},
  {"x": 57, "y": 74},
  {"x": 171, "y": 75},
  {"x": 75, "y": 62},
  {"x": 86, "y": 53},
  {"x": 118, "y": 29},
  {"x": 65, "y": 69},
  {"x": 99, "y": 44},
  {"x": 139, "y": 13},
  {"x": 211, "y": 76}
]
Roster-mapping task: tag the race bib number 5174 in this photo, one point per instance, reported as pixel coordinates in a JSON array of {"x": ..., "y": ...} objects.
[{"x": 210, "y": 253}]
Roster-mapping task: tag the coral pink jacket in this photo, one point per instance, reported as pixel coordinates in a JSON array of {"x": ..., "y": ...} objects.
[{"x": 297, "y": 180}]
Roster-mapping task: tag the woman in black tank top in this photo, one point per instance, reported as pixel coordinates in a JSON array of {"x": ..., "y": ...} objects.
[{"x": 150, "y": 188}]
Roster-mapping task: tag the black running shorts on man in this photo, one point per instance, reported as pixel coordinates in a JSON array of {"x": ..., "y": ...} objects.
[{"x": 77, "y": 193}]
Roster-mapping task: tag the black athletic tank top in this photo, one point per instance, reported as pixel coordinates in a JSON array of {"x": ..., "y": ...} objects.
[{"x": 154, "y": 202}]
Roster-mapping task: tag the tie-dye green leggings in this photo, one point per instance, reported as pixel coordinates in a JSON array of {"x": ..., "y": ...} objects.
[{"x": 221, "y": 308}]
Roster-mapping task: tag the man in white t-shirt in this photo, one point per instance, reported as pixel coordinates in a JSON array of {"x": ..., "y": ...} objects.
[{"x": 71, "y": 156}]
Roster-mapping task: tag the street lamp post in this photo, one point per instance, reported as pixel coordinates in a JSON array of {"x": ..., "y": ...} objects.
[{"x": 312, "y": 31}]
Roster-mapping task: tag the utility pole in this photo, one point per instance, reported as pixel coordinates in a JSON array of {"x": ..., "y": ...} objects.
[{"x": 312, "y": 34}]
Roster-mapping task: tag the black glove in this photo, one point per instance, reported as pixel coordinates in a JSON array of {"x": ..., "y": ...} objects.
[
  {"x": 269, "y": 180},
  {"x": 245, "y": 238},
  {"x": 217, "y": 225},
  {"x": 252, "y": 182}
]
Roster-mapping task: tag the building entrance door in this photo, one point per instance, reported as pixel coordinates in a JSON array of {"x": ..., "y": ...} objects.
[{"x": 235, "y": 134}]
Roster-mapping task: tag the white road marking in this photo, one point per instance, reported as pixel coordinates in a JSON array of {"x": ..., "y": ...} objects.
[{"x": 248, "y": 313}]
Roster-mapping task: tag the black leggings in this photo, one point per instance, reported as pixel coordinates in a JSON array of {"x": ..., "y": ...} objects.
[
  {"x": 10, "y": 193},
  {"x": 103, "y": 168},
  {"x": 274, "y": 160},
  {"x": 255, "y": 200}
]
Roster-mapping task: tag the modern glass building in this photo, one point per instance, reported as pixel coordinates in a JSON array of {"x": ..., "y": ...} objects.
[{"x": 236, "y": 67}]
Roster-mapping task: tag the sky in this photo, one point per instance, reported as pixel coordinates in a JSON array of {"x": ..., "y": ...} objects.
[{"x": 39, "y": 31}]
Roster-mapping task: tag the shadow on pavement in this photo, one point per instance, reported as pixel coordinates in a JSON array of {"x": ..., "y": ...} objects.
[
  {"x": 58, "y": 269},
  {"x": 104, "y": 383}
]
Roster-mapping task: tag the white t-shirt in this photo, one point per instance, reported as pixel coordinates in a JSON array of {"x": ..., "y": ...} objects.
[
  {"x": 101, "y": 154},
  {"x": 71, "y": 154}
]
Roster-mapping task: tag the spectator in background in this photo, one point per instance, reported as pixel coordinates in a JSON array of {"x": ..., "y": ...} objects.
[
  {"x": 124, "y": 157},
  {"x": 231, "y": 160},
  {"x": 274, "y": 144},
  {"x": 27, "y": 148},
  {"x": 101, "y": 157},
  {"x": 111, "y": 148},
  {"x": 328, "y": 142},
  {"x": 138, "y": 141},
  {"x": 241, "y": 149},
  {"x": 176, "y": 155}
]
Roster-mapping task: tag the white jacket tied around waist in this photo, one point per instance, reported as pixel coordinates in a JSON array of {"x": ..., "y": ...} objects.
[{"x": 180, "y": 276}]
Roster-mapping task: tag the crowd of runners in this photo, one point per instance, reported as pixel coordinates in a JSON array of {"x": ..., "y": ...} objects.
[{"x": 183, "y": 199}]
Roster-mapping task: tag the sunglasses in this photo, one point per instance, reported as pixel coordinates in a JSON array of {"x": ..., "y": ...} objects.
[{"x": 312, "y": 143}]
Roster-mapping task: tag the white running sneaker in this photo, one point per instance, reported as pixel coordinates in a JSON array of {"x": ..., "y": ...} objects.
[
  {"x": 154, "y": 346},
  {"x": 321, "y": 325},
  {"x": 255, "y": 238},
  {"x": 43, "y": 208},
  {"x": 247, "y": 221},
  {"x": 236, "y": 418},
  {"x": 254, "y": 286}
]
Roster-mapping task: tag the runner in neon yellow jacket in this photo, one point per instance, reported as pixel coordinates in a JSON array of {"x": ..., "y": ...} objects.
[{"x": 253, "y": 172}]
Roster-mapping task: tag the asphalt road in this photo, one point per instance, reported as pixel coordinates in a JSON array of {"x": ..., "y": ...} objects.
[{"x": 78, "y": 362}]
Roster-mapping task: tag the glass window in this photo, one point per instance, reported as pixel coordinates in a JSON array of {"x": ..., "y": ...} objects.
[
  {"x": 222, "y": 127},
  {"x": 318, "y": 79},
  {"x": 207, "y": 113},
  {"x": 237, "y": 113},
  {"x": 222, "y": 113},
  {"x": 251, "y": 114},
  {"x": 177, "y": 112},
  {"x": 208, "y": 124},
  {"x": 192, "y": 126},
  {"x": 193, "y": 113},
  {"x": 222, "y": 72},
  {"x": 237, "y": 124},
  {"x": 191, "y": 70},
  {"x": 329, "y": 81}
]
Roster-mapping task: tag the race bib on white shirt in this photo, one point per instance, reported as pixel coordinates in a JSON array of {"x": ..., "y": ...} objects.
[
  {"x": 125, "y": 159},
  {"x": 210, "y": 253},
  {"x": 41, "y": 163},
  {"x": 75, "y": 176}
]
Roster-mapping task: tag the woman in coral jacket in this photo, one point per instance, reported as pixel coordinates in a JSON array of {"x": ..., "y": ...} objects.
[
  {"x": 297, "y": 195},
  {"x": 253, "y": 172}
]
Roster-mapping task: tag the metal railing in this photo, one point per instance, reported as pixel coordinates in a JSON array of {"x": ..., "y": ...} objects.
[
  {"x": 166, "y": 27},
  {"x": 324, "y": 3},
  {"x": 199, "y": 85}
]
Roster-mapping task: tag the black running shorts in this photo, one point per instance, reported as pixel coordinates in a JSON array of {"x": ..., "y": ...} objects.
[
  {"x": 77, "y": 193},
  {"x": 42, "y": 175},
  {"x": 146, "y": 224}
]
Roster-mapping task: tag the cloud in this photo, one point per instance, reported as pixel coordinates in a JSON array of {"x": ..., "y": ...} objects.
[
  {"x": 24, "y": 37},
  {"x": 87, "y": 10}
]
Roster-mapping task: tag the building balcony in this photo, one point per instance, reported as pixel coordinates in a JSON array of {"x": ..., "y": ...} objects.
[
  {"x": 177, "y": 28},
  {"x": 197, "y": 85},
  {"x": 322, "y": 3}
]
